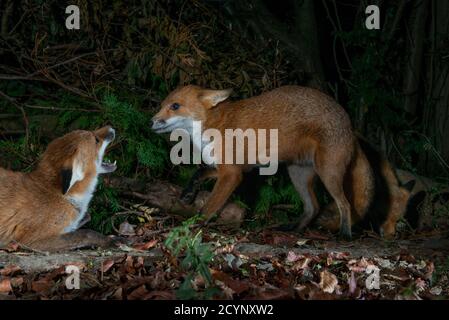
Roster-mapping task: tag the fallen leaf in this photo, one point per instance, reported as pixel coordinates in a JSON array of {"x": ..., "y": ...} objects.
[
  {"x": 145, "y": 246},
  {"x": 293, "y": 257},
  {"x": 302, "y": 264},
  {"x": 9, "y": 270},
  {"x": 436, "y": 291},
  {"x": 267, "y": 266},
  {"x": 237, "y": 286},
  {"x": 328, "y": 282},
  {"x": 140, "y": 293},
  {"x": 5, "y": 286},
  {"x": 270, "y": 292},
  {"x": 106, "y": 265},
  {"x": 126, "y": 229},
  {"x": 384, "y": 263},
  {"x": 301, "y": 242},
  {"x": 430, "y": 268},
  {"x": 233, "y": 262},
  {"x": 352, "y": 283},
  {"x": 17, "y": 281},
  {"x": 161, "y": 295},
  {"x": 420, "y": 285},
  {"x": 41, "y": 285}
]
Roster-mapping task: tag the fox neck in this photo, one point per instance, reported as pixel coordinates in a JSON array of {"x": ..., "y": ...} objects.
[
  {"x": 214, "y": 118},
  {"x": 46, "y": 179},
  {"x": 79, "y": 195}
]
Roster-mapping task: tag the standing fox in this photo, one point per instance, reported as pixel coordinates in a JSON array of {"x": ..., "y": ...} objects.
[
  {"x": 315, "y": 138},
  {"x": 44, "y": 208}
]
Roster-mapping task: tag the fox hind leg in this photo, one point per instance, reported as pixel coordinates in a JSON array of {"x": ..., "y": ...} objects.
[
  {"x": 331, "y": 168},
  {"x": 302, "y": 179}
]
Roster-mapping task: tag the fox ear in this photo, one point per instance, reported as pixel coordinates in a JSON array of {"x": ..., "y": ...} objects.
[
  {"x": 213, "y": 97},
  {"x": 71, "y": 174},
  {"x": 409, "y": 185}
]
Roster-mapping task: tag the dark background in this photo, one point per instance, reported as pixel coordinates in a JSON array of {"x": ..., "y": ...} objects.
[{"x": 128, "y": 55}]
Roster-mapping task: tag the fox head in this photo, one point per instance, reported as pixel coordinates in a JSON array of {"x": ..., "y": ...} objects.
[
  {"x": 400, "y": 199},
  {"x": 184, "y": 105},
  {"x": 76, "y": 159}
]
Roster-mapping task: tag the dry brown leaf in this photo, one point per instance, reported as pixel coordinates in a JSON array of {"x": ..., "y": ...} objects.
[
  {"x": 126, "y": 229},
  {"x": 352, "y": 283},
  {"x": 328, "y": 282},
  {"x": 140, "y": 293},
  {"x": 106, "y": 265},
  {"x": 17, "y": 281},
  {"x": 9, "y": 270},
  {"x": 146, "y": 246},
  {"x": 5, "y": 285},
  {"x": 293, "y": 257},
  {"x": 161, "y": 295},
  {"x": 41, "y": 285},
  {"x": 237, "y": 286}
]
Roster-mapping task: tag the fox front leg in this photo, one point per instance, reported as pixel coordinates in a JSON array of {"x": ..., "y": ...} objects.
[
  {"x": 228, "y": 178},
  {"x": 190, "y": 192}
]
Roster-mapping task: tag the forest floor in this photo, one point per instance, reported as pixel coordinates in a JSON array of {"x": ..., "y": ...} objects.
[{"x": 246, "y": 265}]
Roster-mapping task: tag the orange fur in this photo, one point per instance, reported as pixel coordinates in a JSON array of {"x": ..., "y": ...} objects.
[
  {"x": 315, "y": 139},
  {"x": 34, "y": 210}
]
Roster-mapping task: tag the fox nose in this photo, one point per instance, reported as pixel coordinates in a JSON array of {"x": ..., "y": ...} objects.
[{"x": 156, "y": 122}]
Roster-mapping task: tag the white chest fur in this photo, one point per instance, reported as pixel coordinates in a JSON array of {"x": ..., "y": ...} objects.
[
  {"x": 81, "y": 203},
  {"x": 206, "y": 149}
]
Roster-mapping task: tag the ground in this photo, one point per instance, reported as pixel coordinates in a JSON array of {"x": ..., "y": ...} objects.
[{"x": 245, "y": 265}]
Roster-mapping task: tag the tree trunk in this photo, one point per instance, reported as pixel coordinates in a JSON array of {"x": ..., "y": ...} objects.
[
  {"x": 416, "y": 49},
  {"x": 307, "y": 40},
  {"x": 436, "y": 116}
]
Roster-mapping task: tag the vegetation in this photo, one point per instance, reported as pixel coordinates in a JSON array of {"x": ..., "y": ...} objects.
[{"x": 129, "y": 54}]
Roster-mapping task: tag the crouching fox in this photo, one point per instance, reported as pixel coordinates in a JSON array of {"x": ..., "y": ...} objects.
[
  {"x": 315, "y": 138},
  {"x": 44, "y": 208}
]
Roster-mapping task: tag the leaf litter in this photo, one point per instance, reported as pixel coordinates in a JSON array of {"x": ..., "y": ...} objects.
[{"x": 289, "y": 268}]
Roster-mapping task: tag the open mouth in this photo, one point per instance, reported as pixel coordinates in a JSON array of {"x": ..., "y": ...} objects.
[
  {"x": 164, "y": 129},
  {"x": 108, "y": 166},
  {"x": 105, "y": 165}
]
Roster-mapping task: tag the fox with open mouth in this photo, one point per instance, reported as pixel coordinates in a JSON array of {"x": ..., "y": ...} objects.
[{"x": 44, "y": 209}]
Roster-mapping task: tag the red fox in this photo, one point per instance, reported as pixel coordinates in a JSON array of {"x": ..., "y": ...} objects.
[
  {"x": 315, "y": 138},
  {"x": 44, "y": 208}
]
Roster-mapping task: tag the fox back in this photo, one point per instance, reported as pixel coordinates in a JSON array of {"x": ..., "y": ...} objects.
[{"x": 303, "y": 115}]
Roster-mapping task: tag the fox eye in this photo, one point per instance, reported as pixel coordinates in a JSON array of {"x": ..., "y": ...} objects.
[
  {"x": 175, "y": 106},
  {"x": 97, "y": 141}
]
